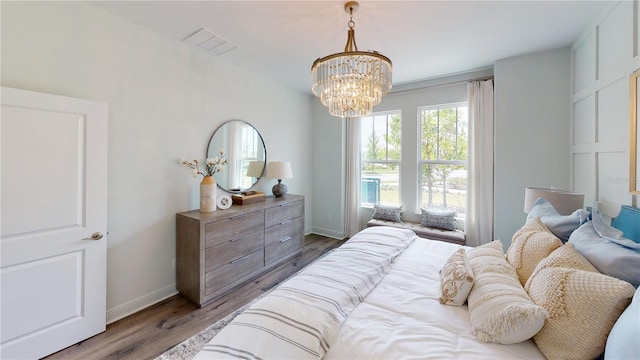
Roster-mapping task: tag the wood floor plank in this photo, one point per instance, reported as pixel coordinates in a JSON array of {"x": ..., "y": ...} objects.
[{"x": 156, "y": 329}]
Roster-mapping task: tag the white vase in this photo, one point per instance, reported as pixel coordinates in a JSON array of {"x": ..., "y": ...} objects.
[{"x": 208, "y": 188}]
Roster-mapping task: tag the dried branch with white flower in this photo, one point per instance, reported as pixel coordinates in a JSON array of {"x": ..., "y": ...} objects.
[{"x": 211, "y": 165}]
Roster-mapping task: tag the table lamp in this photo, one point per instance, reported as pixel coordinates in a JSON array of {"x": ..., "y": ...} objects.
[
  {"x": 255, "y": 169},
  {"x": 565, "y": 202},
  {"x": 279, "y": 170}
]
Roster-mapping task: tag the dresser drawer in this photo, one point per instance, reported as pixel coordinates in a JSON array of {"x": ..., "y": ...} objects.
[
  {"x": 234, "y": 271},
  {"x": 283, "y": 239},
  {"x": 283, "y": 212},
  {"x": 233, "y": 227},
  {"x": 224, "y": 253}
]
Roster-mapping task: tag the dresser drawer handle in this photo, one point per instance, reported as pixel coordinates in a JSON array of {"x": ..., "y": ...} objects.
[
  {"x": 285, "y": 204},
  {"x": 238, "y": 216},
  {"x": 236, "y": 239},
  {"x": 239, "y": 259},
  {"x": 286, "y": 222},
  {"x": 285, "y": 239}
]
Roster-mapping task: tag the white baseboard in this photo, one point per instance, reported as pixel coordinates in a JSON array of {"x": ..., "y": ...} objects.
[
  {"x": 124, "y": 310},
  {"x": 328, "y": 233},
  {"x": 133, "y": 306}
]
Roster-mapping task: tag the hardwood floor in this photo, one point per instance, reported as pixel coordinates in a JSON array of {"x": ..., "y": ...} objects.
[{"x": 150, "y": 332}]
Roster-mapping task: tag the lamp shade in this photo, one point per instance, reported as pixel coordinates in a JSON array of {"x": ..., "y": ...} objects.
[
  {"x": 565, "y": 202},
  {"x": 279, "y": 170},
  {"x": 255, "y": 169}
]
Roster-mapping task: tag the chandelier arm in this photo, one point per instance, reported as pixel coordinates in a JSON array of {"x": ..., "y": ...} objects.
[{"x": 351, "y": 41}]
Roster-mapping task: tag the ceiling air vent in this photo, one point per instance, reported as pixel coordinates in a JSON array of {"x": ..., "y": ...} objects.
[{"x": 209, "y": 42}]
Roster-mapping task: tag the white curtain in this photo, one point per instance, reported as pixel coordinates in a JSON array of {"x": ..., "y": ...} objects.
[
  {"x": 352, "y": 180},
  {"x": 479, "y": 221}
]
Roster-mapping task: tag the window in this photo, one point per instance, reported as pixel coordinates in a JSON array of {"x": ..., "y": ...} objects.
[
  {"x": 380, "y": 158},
  {"x": 443, "y": 157},
  {"x": 250, "y": 149}
]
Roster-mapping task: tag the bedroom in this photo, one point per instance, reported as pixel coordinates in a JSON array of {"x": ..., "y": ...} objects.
[{"x": 176, "y": 109}]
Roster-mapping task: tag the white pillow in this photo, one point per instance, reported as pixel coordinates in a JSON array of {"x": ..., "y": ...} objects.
[
  {"x": 622, "y": 342},
  {"x": 456, "y": 279},
  {"x": 500, "y": 310}
]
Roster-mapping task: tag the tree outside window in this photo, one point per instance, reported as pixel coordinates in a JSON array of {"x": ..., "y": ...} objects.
[{"x": 443, "y": 157}]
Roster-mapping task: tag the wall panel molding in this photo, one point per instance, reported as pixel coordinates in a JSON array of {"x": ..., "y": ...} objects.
[{"x": 603, "y": 57}]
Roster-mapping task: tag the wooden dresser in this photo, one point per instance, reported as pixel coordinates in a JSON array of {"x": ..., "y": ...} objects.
[{"x": 218, "y": 251}]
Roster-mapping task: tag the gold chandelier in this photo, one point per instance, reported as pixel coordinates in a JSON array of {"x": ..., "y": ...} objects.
[{"x": 352, "y": 82}]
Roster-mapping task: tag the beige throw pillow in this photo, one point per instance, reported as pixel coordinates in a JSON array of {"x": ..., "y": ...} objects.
[
  {"x": 582, "y": 307},
  {"x": 500, "y": 310},
  {"x": 530, "y": 244},
  {"x": 456, "y": 279},
  {"x": 565, "y": 256}
]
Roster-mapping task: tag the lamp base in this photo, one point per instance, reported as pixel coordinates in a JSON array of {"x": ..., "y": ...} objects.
[{"x": 279, "y": 189}]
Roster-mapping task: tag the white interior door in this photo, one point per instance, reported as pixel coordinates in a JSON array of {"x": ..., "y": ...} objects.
[{"x": 54, "y": 198}]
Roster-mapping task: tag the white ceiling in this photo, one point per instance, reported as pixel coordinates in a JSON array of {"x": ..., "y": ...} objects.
[{"x": 423, "y": 39}]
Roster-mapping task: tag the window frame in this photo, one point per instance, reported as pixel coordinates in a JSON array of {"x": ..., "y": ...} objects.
[
  {"x": 422, "y": 162},
  {"x": 397, "y": 162}
]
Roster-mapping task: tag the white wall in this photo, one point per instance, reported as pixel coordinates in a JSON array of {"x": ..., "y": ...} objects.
[
  {"x": 165, "y": 99},
  {"x": 531, "y": 133},
  {"x": 535, "y": 127},
  {"x": 328, "y": 172},
  {"x": 602, "y": 60}
]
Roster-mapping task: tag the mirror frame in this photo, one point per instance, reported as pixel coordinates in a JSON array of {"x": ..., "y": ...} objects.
[
  {"x": 634, "y": 158},
  {"x": 212, "y": 153}
]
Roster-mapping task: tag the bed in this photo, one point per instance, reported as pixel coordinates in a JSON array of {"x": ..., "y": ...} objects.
[{"x": 383, "y": 295}]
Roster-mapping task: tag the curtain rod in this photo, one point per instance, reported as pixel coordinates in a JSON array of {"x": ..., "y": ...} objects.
[{"x": 482, "y": 78}]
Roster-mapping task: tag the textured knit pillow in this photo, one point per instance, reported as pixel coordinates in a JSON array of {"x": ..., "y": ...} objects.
[
  {"x": 439, "y": 218},
  {"x": 582, "y": 307},
  {"x": 456, "y": 279},
  {"x": 530, "y": 244},
  {"x": 500, "y": 310},
  {"x": 386, "y": 212},
  {"x": 565, "y": 256}
]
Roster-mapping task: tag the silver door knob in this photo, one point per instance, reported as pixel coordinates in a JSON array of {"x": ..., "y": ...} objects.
[{"x": 95, "y": 236}]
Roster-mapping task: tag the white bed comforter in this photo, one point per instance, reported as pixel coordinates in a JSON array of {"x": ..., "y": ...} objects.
[
  {"x": 403, "y": 319},
  {"x": 300, "y": 318},
  {"x": 399, "y": 318}
]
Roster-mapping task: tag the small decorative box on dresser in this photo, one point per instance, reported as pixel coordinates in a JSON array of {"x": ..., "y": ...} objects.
[{"x": 220, "y": 250}]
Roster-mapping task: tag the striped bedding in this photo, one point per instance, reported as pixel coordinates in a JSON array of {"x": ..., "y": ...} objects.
[{"x": 301, "y": 318}]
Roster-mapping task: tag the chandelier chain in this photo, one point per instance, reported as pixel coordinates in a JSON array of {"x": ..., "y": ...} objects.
[{"x": 351, "y": 23}]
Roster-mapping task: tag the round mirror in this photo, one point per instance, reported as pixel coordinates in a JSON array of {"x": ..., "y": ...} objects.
[{"x": 246, "y": 155}]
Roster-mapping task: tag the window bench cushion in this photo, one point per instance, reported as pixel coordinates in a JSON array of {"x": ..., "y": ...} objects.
[{"x": 452, "y": 236}]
